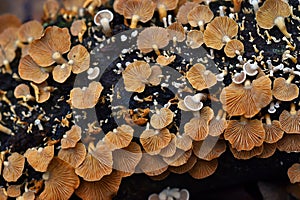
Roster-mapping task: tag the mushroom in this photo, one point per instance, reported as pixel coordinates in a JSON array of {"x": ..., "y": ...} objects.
[
  {"x": 93, "y": 73},
  {"x": 78, "y": 96},
  {"x": 239, "y": 77},
  {"x": 250, "y": 69},
  {"x": 182, "y": 15},
  {"x": 23, "y": 91},
  {"x": 3, "y": 193},
  {"x": 165, "y": 60},
  {"x": 71, "y": 137},
  {"x": 247, "y": 99},
  {"x": 183, "y": 141},
  {"x": 199, "y": 16},
  {"x": 42, "y": 91},
  {"x": 60, "y": 180},
  {"x": 79, "y": 59},
  {"x": 234, "y": 47},
  {"x": 91, "y": 5},
  {"x": 294, "y": 173},
  {"x": 153, "y": 38},
  {"x": 176, "y": 33},
  {"x": 119, "y": 137},
  {"x": 245, "y": 155},
  {"x": 61, "y": 72},
  {"x": 179, "y": 158},
  {"x": 290, "y": 120},
  {"x": 152, "y": 165},
  {"x": 289, "y": 143},
  {"x": 163, "y": 6},
  {"x": 273, "y": 13},
  {"x": 162, "y": 118},
  {"x": 170, "y": 149},
  {"x": 102, "y": 18},
  {"x": 273, "y": 130},
  {"x": 73, "y": 156},
  {"x": 14, "y": 190},
  {"x": 218, "y": 124},
  {"x": 268, "y": 150},
  {"x": 185, "y": 167},
  {"x": 203, "y": 168},
  {"x": 193, "y": 103},
  {"x": 204, "y": 149},
  {"x": 30, "y": 31},
  {"x": 78, "y": 28},
  {"x": 194, "y": 39},
  {"x": 13, "y": 167},
  {"x": 201, "y": 78},
  {"x": 40, "y": 158},
  {"x": 285, "y": 90},
  {"x": 245, "y": 134},
  {"x": 9, "y": 20},
  {"x": 220, "y": 31},
  {"x": 50, "y": 8}
]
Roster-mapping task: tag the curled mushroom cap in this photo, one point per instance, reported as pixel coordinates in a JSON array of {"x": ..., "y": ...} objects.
[
  {"x": 193, "y": 103},
  {"x": 245, "y": 155},
  {"x": 185, "y": 167},
  {"x": 220, "y": 31},
  {"x": 239, "y": 77},
  {"x": 119, "y": 137},
  {"x": 165, "y": 60},
  {"x": 179, "y": 158},
  {"x": 194, "y": 39},
  {"x": 285, "y": 90},
  {"x": 73, "y": 156},
  {"x": 14, "y": 190},
  {"x": 86, "y": 97},
  {"x": 103, "y": 189},
  {"x": 273, "y": 130},
  {"x": 234, "y": 47},
  {"x": 153, "y": 38},
  {"x": 201, "y": 78},
  {"x": 203, "y": 168},
  {"x": 9, "y": 20},
  {"x": 23, "y": 91},
  {"x": 30, "y": 31},
  {"x": 289, "y": 143},
  {"x": 247, "y": 99},
  {"x": 268, "y": 150},
  {"x": 50, "y": 48},
  {"x": 60, "y": 180},
  {"x": 209, "y": 149},
  {"x": 290, "y": 120},
  {"x": 182, "y": 15},
  {"x": 13, "y": 167},
  {"x": 273, "y": 13},
  {"x": 40, "y": 158},
  {"x": 245, "y": 134},
  {"x": 161, "y": 118},
  {"x": 78, "y": 28},
  {"x": 294, "y": 173},
  {"x": 61, "y": 72},
  {"x": 41, "y": 91},
  {"x": 138, "y": 10},
  {"x": 71, "y": 137},
  {"x": 176, "y": 32},
  {"x": 199, "y": 16},
  {"x": 79, "y": 59},
  {"x": 164, "y": 5}
]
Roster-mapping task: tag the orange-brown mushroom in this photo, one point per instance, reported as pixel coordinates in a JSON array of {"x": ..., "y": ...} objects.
[
  {"x": 162, "y": 118},
  {"x": 179, "y": 158},
  {"x": 209, "y": 149},
  {"x": 152, "y": 165},
  {"x": 183, "y": 141},
  {"x": 289, "y": 143},
  {"x": 50, "y": 8},
  {"x": 194, "y": 39},
  {"x": 170, "y": 149},
  {"x": 60, "y": 181},
  {"x": 79, "y": 59},
  {"x": 42, "y": 91},
  {"x": 30, "y": 31},
  {"x": 40, "y": 158},
  {"x": 176, "y": 33},
  {"x": 245, "y": 155},
  {"x": 78, "y": 28},
  {"x": 294, "y": 173},
  {"x": 245, "y": 134},
  {"x": 91, "y": 5},
  {"x": 199, "y": 16},
  {"x": 164, "y": 5},
  {"x": 285, "y": 90},
  {"x": 203, "y": 168},
  {"x": 71, "y": 137},
  {"x": 3, "y": 194},
  {"x": 119, "y": 137},
  {"x": 218, "y": 124},
  {"x": 185, "y": 167},
  {"x": 9, "y": 20},
  {"x": 290, "y": 120},
  {"x": 165, "y": 60},
  {"x": 23, "y": 91},
  {"x": 237, "y": 4},
  {"x": 247, "y": 99},
  {"x": 13, "y": 167},
  {"x": 273, "y": 130},
  {"x": 62, "y": 72},
  {"x": 73, "y": 156},
  {"x": 182, "y": 15},
  {"x": 234, "y": 47},
  {"x": 14, "y": 190},
  {"x": 268, "y": 150}
]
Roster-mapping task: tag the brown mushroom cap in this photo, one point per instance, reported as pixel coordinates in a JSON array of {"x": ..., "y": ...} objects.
[
  {"x": 74, "y": 156},
  {"x": 290, "y": 120},
  {"x": 13, "y": 190},
  {"x": 247, "y": 99},
  {"x": 3, "y": 194},
  {"x": 41, "y": 91},
  {"x": 218, "y": 124},
  {"x": 49, "y": 49},
  {"x": 30, "y": 31},
  {"x": 162, "y": 118},
  {"x": 155, "y": 76},
  {"x": 185, "y": 167},
  {"x": 40, "y": 158},
  {"x": 164, "y": 5},
  {"x": 9, "y": 20},
  {"x": 199, "y": 16},
  {"x": 245, "y": 134},
  {"x": 103, "y": 189},
  {"x": 60, "y": 181},
  {"x": 245, "y": 155},
  {"x": 50, "y": 8},
  {"x": 79, "y": 59},
  {"x": 182, "y": 15},
  {"x": 71, "y": 137},
  {"x": 294, "y": 173},
  {"x": 61, "y": 72},
  {"x": 197, "y": 127},
  {"x": 165, "y": 60},
  {"x": 78, "y": 28},
  {"x": 153, "y": 38},
  {"x": 160, "y": 177},
  {"x": 273, "y": 13},
  {"x": 284, "y": 90},
  {"x": 183, "y": 141},
  {"x": 289, "y": 143},
  {"x": 179, "y": 158},
  {"x": 201, "y": 78},
  {"x": 23, "y": 91},
  {"x": 273, "y": 130},
  {"x": 13, "y": 167},
  {"x": 86, "y": 97},
  {"x": 176, "y": 32},
  {"x": 234, "y": 47},
  {"x": 219, "y": 31},
  {"x": 170, "y": 149},
  {"x": 203, "y": 168},
  {"x": 194, "y": 39},
  {"x": 152, "y": 165},
  {"x": 154, "y": 140},
  {"x": 119, "y": 137},
  {"x": 209, "y": 149},
  {"x": 268, "y": 150},
  {"x": 8, "y": 39}
]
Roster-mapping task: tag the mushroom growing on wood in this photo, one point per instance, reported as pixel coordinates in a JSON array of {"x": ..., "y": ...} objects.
[
  {"x": 199, "y": 16},
  {"x": 290, "y": 121},
  {"x": 285, "y": 90},
  {"x": 40, "y": 158},
  {"x": 13, "y": 167},
  {"x": 273, "y": 130}
]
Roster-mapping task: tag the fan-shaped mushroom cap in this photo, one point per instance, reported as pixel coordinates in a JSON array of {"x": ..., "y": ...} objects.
[
  {"x": 8, "y": 39},
  {"x": 13, "y": 167},
  {"x": 60, "y": 181},
  {"x": 290, "y": 120},
  {"x": 86, "y": 97},
  {"x": 50, "y": 48},
  {"x": 234, "y": 47},
  {"x": 155, "y": 76},
  {"x": 73, "y": 156},
  {"x": 29, "y": 70},
  {"x": 197, "y": 127},
  {"x": 41, "y": 91},
  {"x": 273, "y": 130},
  {"x": 71, "y": 137},
  {"x": 220, "y": 31},
  {"x": 245, "y": 155},
  {"x": 203, "y": 168},
  {"x": 170, "y": 149},
  {"x": 218, "y": 124},
  {"x": 245, "y": 134},
  {"x": 164, "y": 5},
  {"x": 9, "y": 20},
  {"x": 61, "y": 72},
  {"x": 79, "y": 59},
  {"x": 273, "y": 13},
  {"x": 125, "y": 160},
  {"x": 250, "y": 69},
  {"x": 13, "y": 190},
  {"x": 119, "y": 137},
  {"x": 199, "y": 16},
  {"x": 153, "y": 38},
  {"x": 103, "y": 189},
  {"x": 289, "y": 143},
  {"x": 154, "y": 140},
  {"x": 284, "y": 90},
  {"x": 152, "y": 165},
  {"x": 183, "y": 141},
  {"x": 98, "y": 163},
  {"x": 194, "y": 39},
  {"x": 23, "y": 91},
  {"x": 176, "y": 32},
  {"x": 30, "y": 31},
  {"x": 268, "y": 150},
  {"x": 138, "y": 10},
  {"x": 182, "y": 15},
  {"x": 201, "y": 78},
  {"x": 165, "y": 60},
  {"x": 247, "y": 99},
  {"x": 50, "y": 8},
  {"x": 179, "y": 158},
  {"x": 294, "y": 173},
  {"x": 193, "y": 103},
  {"x": 185, "y": 167},
  {"x": 162, "y": 118},
  {"x": 78, "y": 28},
  {"x": 40, "y": 158},
  {"x": 209, "y": 149}
]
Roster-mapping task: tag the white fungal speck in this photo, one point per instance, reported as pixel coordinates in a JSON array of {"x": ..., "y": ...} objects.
[{"x": 123, "y": 38}]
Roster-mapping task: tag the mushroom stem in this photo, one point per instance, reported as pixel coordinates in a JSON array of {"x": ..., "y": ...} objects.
[
  {"x": 279, "y": 21},
  {"x": 247, "y": 83},
  {"x": 272, "y": 108},
  {"x": 196, "y": 114},
  {"x": 201, "y": 25},
  {"x": 219, "y": 115},
  {"x": 226, "y": 39},
  {"x": 19, "y": 44},
  {"x": 268, "y": 119},
  {"x": 135, "y": 19},
  {"x": 174, "y": 41},
  {"x": 254, "y": 3},
  {"x": 290, "y": 79},
  {"x": 5, "y": 130},
  {"x": 162, "y": 11},
  {"x": 155, "y": 47},
  {"x": 293, "y": 109},
  {"x": 7, "y": 67},
  {"x": 106, "y": 27},
  {"x": 57, "y": 57}
]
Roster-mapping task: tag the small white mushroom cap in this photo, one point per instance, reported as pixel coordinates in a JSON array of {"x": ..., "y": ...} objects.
[
  {"x": 194, "y": 103},
  {"x": 250, "y": 69},
  {"x": 239, "y": 78}
]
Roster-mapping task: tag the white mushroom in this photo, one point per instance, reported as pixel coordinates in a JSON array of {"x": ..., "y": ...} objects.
[
  {"x": 102, "y": 18},
  {"x": 239, "y": 78},
  {"x": 250, "y": 69}
]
